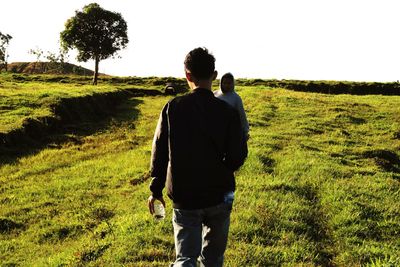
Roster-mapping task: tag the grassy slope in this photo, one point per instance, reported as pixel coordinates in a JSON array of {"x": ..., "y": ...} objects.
[
  {"x": 19, "y": 101},
  {"x": 31, "y": 96},
  {"x": 320, "y": 187}
]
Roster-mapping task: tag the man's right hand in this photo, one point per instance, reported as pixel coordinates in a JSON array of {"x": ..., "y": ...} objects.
[{"x": 151, "y": 201}]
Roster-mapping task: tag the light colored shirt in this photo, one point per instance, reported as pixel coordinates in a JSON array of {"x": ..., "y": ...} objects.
[{"x": 233, "y": 99}]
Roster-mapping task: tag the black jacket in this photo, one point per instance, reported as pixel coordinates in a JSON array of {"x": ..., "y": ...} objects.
[{"x": 198, "y": 144}]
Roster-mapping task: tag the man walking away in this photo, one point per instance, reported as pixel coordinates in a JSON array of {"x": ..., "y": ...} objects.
[{"x": 198, "y": 144}]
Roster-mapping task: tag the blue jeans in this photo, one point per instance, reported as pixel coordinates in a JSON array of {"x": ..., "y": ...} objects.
[{"x": 201, "y": 235}]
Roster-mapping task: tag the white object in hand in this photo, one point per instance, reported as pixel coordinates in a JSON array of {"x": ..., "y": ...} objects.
[{"x": 159, "y": 211}]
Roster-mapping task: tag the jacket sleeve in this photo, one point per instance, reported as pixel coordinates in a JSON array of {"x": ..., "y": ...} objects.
[
  {"x": 159, "y": 155},
  {"x": 236, "y": 150},
  {"x": 242, "y": 114}
]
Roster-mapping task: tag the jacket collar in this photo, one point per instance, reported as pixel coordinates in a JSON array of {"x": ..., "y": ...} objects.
[{"x": 202, "y": 90}]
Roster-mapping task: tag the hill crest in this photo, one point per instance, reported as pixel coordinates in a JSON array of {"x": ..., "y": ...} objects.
[{"x": 48, "y": 68}]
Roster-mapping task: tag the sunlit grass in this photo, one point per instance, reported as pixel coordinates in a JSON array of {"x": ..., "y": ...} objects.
[
  {"x": 19, "y": 101},
  {"x": 320, "y": 188},
  {"x": 81, "y": 194}
]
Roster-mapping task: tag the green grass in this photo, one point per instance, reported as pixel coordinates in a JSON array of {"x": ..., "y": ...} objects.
[
  {"x": 76, "y": 203},
  {"x": 318, "y": 197},
  {"x": 320, "y": 188},
  {"x": 35, "y": 96},
  {"x": 20, "y": 101}
]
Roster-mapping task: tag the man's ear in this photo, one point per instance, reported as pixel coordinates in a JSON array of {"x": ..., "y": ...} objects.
[
  {"x": 215, "y": 75},
  {"x": 189, "y": 76}
]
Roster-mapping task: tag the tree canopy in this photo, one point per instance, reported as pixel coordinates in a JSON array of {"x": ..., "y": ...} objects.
[{"x": 96, "y": 33}]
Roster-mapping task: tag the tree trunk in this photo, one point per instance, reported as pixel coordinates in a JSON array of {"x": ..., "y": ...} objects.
[
  {"x": 96, "y": 70},
  {"x": 6, "y": 63}
]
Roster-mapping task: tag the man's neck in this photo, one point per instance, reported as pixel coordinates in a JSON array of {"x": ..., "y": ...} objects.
[
  {"x": 202, "y": 84},
  {"x": 197, "y": 83}
]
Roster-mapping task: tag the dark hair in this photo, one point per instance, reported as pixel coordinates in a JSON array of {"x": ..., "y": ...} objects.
[
  {"x": 227, "y": 76},
  {"x": 200, "y": 63}
]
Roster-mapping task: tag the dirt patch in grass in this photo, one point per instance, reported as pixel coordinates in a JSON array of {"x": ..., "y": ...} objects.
[
  {"x": 102, "y": 214},
  {"x": 387, "y": 160},
  {"x": 311, "y": 148},
  {"x": 268, "y": 164},
  {"x": 8, "y": 225},
  {"x": 142, "y": 178},
  {"x": 349, "y": 118},
  {"x": 93, "y": 254},
  {"x": 60, "y": 233}
]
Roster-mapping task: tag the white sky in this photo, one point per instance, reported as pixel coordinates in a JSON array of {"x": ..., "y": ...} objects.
[{"x": 356, "y": 40}]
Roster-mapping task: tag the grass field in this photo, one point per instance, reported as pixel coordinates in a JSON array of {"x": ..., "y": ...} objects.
[
  {"x": 34, "y": 99},
  {"x": 320, "y": 188}
]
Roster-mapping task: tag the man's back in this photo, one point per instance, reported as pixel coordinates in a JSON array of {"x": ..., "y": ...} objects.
[{"x": 204, "y": 145}]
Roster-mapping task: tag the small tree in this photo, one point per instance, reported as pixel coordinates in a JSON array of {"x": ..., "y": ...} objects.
[
  {"x": 57, "y": 61},
  {"x": 4, "y": 41},
  {"x": 96, "y": 33},
  {"x": 52, "y": 60},
  {"x": 38, "y": 53}
]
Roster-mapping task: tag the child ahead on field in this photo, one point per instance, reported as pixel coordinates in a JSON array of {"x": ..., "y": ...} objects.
[{"x": 227, "y": 93}]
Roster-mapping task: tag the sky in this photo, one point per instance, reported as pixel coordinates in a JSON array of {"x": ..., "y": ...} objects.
[{"x": 353, "y": 40}]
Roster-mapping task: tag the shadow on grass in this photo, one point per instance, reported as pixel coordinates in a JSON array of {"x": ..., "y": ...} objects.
[
  {"x": 72, "y": 132},
  {"x": 7, "y": 225},
  {"x": 387, "y": 160}
]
